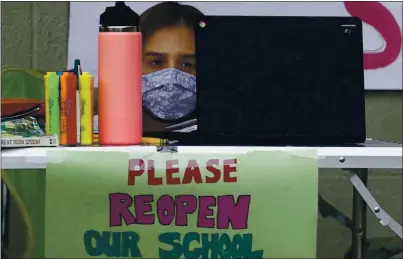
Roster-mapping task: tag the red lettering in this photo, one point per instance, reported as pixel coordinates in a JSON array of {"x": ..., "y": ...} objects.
[
  {"x": 192, "y": 172},
  {"x": 170, "y": 170},
  {"x": 136, "y": 168},
  {"x": 229, "y": 167},
  {"x": 212, "y": 169},
  {"x": 152, "y": 179}
]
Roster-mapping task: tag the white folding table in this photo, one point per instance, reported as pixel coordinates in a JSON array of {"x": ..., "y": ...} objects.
[{"x": 353, "y": 160}]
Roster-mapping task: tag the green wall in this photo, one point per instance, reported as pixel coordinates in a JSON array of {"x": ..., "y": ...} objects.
[{"x": 34, "y": 35}]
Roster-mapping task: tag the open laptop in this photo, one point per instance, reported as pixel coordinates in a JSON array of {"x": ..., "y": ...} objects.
[{"x": 278, "y": 81}]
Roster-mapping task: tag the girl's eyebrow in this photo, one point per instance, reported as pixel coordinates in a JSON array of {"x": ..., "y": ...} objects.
[
  {"x": 189, "y": 55},
  {"x": 154, "y": 54},
  {"x": 159, "y": 54}
]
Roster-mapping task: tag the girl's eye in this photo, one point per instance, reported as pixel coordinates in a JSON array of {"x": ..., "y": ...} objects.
[
  {"x": 187, "y": 65},
  {"x": 156, "y": 62}
]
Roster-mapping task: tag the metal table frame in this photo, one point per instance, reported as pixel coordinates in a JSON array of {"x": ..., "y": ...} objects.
[
  {"x": 359, "y": 233},
  {"x": 354, "y": 161}
]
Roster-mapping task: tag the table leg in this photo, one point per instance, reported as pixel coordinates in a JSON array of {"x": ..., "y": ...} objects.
[{"x": 359, "y": 218}]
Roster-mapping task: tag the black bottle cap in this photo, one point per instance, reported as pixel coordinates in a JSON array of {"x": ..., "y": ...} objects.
[{"x": 119, "y": 15}]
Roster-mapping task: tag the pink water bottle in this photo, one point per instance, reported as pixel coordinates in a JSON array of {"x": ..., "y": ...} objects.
[{"x": 119, "y": 77}]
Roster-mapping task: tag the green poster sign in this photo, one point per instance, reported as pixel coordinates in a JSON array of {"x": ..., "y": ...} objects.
[{"x": 171, "y": 205}]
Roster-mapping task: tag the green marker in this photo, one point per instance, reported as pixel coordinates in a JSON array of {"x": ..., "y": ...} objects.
[{"x": 53, "y": 104}]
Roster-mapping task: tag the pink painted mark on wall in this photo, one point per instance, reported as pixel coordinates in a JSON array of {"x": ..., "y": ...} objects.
[{"x": 378, "y": 16}]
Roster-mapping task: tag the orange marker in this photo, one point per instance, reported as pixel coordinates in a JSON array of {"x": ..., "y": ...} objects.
[{"x": 68, "y": 110}]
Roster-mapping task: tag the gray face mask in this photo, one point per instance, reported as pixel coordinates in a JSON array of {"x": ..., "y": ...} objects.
[{"x": 169, "y": 94}]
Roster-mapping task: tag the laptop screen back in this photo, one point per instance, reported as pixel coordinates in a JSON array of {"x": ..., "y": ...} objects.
[{"x": 281, "y": 76}]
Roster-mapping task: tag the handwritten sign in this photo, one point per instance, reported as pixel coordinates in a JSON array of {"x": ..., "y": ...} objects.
[{"x": 163, "y": 205}]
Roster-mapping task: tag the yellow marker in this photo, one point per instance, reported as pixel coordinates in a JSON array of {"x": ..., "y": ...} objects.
[
  {"x": 47, "y": 108},
  {"x": 86, "y": 110}
]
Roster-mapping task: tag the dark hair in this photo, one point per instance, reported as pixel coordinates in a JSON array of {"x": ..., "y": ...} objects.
[{"x": 167, "y": 14}]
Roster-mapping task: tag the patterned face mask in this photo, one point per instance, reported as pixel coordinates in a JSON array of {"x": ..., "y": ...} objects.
[{"x": 169, "y": 94}]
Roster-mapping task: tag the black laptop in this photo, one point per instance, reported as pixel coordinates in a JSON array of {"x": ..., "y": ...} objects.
[{"x": 278, "y": 81}]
